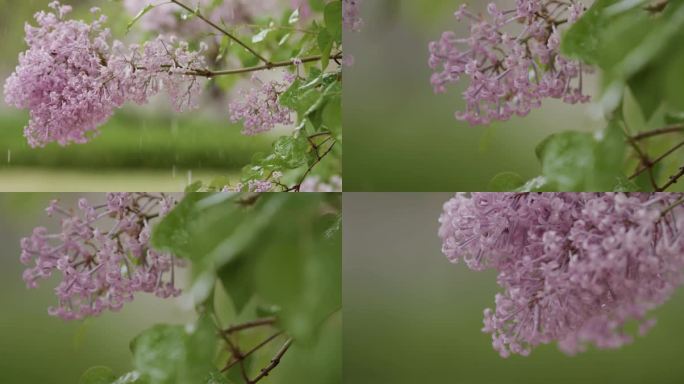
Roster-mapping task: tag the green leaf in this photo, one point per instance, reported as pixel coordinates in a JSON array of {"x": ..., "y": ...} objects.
[
  {"x": 279, "y": 248},
  {"x": 630, "y": 45},
  {"x": 237, "y": 279},
  {"x": 332, "y": 115},
  {"x": 325, "y": 44},
  {"x": 505, "y": 182},
  {"x": 300, "y": 267},
  {"x": 97, "y": 375},
  {"x": 194, "y": 187},
  {"x": 294, "y": 17},
  {"x": 582, "y": 39},
  {"x": 674, "y": 117},
  {"x": 647, "y": 89},
  {"x": 578, "y": 161},
  {"x": 626, "y": 185},
  {"x": 169, "y": 354},
  {"x": 333, "y": 19},
  {"x": 132, "y": 378},
  {"x": 291, "y": 151},
  {"x": 261, "y": 36}
]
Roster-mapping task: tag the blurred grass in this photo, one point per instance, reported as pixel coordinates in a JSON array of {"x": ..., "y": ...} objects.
[
  {"x": 136, "y": 141},
  {"x": 411, "y": 317}
]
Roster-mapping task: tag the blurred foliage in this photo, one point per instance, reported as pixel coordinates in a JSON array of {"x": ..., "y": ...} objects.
[{"x": 273, "y": 255}]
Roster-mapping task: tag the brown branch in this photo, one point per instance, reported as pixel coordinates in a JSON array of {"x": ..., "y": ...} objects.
[
  {"x": 659, "y": 159},
  {"x": 286, "y": 63},
  {"x": 673, "y": 180},
  {"x": 245, "y": 355},
  {"x": 250, "y": 324},
  {"x": 222, "y": 30},
  {"x": 674, "y": 205},
  {"x": 657, "y": 7},
  {"x": 660, "y": 131},
  {"x": 312, "y": 166},
  {"x": 645, "y": 161},
  {"x": 274, "y": 362}
]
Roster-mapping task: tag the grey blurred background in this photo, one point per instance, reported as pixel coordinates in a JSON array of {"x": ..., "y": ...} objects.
[
  {"x": 400, "y": 136},
  {"x": 412, "y": 317}
]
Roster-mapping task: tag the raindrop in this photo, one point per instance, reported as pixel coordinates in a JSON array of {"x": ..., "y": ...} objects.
[
  {"x": 9, "y": 156},
  {"x": 173, "y": 171},
  {"x": 189, "y": 177}
]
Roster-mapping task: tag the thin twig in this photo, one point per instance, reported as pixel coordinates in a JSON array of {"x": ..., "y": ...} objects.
[
  {"x": 250, "y": 324},
  {"x": 659, "y": 159},
  {"x": 673, "y": 180},
  {"x": 286, "y": 63},
  {"x": 657, "y": 7},
  {"x": 245, "y": 355},
  {"x": 660, "y": 131},
  {"x": 222, "y": 30},
  {"x": 311, "y": 167},
  {"x": 274, "y": 362},
  {"x": 648, "y": 165},
  {"x": 672, "y": 206}
]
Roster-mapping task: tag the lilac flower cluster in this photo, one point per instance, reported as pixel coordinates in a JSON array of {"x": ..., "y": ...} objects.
[
  {"x": 259, "y": 107},
  {"x": 71, "y": 79},
  {"x": 58, "y": 78},
  {"x": 102, "y": 254},
  {"x": 351, "y": 15},
  {"x": 266, "y": 185},
  {"x": 574, "y": 267},
  {"x": 315, "y": 184},
  {"x": 137, "y": 73},
  {"x": 511, "y": 59}
]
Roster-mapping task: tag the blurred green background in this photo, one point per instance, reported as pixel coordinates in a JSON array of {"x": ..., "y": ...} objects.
[
  {"x": 148, "y": 148},
  {"x": 412, "y": 317},
  {"x": 400, "y": 136}
]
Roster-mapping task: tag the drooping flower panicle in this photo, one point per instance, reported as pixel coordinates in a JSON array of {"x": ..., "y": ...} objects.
[
  {"x": 71, "y": 78},
  {"x": 102, "y": 254},
  {"x": 574, "y": 267},
  {"x": 511, "y": 59},
  {"x": 259, "y": 108}
]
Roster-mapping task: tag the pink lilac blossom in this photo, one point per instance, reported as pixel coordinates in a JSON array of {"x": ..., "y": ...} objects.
[
  {"x": 137, "y": 73},
  {"x": 511, "y": 59},
  {"x": 71, "y": 78},
  {"x": 259, "y": 108},
  {"x": 267, "y": 185},
  {"x": 102, "y": 254},
  {"x": 574, "y": 267},
  {"x": 351, "y": 15},
  {"x": 58, "y": 78},
  {"x": 315, "y": 184}
]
